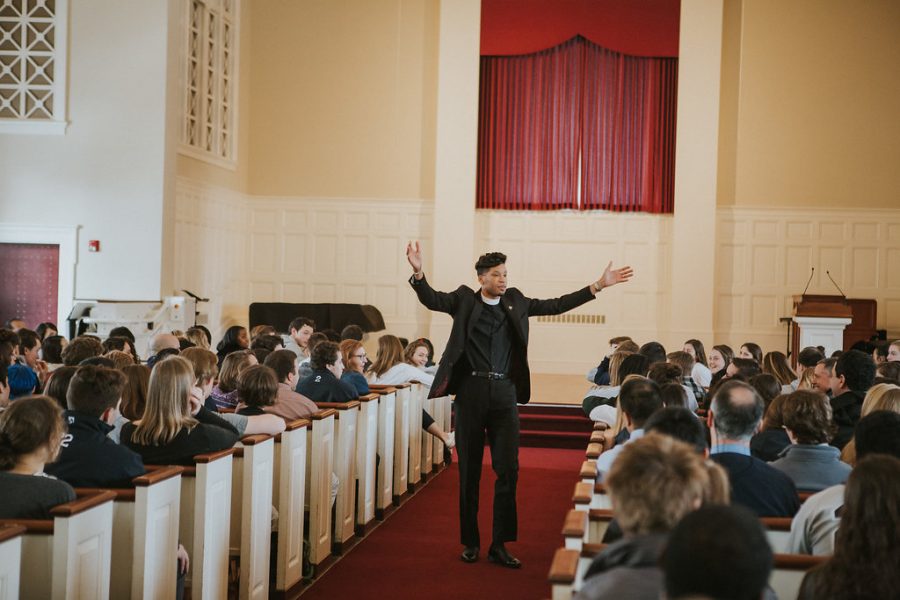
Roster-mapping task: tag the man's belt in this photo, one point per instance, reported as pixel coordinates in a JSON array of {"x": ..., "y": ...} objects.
[{"x": 488, "y": 375}]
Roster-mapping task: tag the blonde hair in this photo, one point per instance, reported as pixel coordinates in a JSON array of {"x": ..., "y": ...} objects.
[
  {"x": 807, "y": 379},
  {"x": 655, "y": 481},
  {"x": 884, "y": 396},
  {"x": 120, "y": 359},
  {"x": 204, "y": 362},
  {"x": 168, "y": 403},
  {"x": 232, "y": 367},
  {"x": 615, "y": 361},
  {"x": 390, "y": 353},
  {"x": 196, "y": 336},
  {"x": 776, "y": 364},
  {"x": 411, "y": 349}
]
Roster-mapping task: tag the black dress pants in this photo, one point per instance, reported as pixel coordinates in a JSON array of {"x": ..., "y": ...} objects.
[{"x": 487, "y": 408}]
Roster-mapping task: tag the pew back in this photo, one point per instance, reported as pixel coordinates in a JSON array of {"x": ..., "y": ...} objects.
[
  {"x": 10, "y": 560},
  {"x": 289, "y": 495}
]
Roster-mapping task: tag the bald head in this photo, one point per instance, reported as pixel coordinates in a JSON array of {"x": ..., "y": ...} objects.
[
  {"x": 161, "y": 341},
  {"x": 737, "y": 410}
]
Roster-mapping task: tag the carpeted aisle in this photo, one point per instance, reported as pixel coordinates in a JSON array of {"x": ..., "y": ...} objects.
[{"x": 415, "y": 553}]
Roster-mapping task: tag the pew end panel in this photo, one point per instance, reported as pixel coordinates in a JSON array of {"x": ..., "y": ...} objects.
[
  {"x": 319, "y": 467},
  {"x": 289, "y": 495},
  {"x": 11, "y": 537},
  {"x": 366, "y": 452},
  {"x": 384, "y": 479},
  {"x": 345, "y": 425}
]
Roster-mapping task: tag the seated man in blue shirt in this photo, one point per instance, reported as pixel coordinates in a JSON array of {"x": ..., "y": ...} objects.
[
  {"x": 88, "y": 458},
  {"x": 324, "y": 384},
  {"x": 28, "y": 372}
]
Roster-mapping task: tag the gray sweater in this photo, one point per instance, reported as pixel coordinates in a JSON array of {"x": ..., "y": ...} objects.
[{"x": 813, "y": 467}]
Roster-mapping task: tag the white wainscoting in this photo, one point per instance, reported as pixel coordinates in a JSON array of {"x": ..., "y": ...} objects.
[{"x": 765, "y": 257}]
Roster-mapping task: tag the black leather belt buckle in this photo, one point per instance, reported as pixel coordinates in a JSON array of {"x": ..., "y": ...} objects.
[{"x": 489, "y": 375}]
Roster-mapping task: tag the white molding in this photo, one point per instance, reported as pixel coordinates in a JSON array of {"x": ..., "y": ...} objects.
[
  {"x": 66, "y": 237},
  {"x": 16, "y": 127},
  {"x": 198, "y": 154}
]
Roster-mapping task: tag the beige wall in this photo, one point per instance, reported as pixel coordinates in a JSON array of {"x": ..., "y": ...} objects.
[
  {"x": 343, "y": 101},
  {"x": 816, "y": 115}
]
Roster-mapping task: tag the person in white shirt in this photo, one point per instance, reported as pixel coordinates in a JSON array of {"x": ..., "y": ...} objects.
[{"x": 700, "y": 372}]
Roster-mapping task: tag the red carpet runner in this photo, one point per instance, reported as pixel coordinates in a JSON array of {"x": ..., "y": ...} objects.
[{"x": 415, "y": 553}]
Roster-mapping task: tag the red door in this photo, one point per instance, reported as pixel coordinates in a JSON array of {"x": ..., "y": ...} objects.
[{"x": 29, "y": 276}]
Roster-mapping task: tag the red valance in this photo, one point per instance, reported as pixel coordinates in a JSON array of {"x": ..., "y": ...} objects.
[{"x": 632, "y": 27}]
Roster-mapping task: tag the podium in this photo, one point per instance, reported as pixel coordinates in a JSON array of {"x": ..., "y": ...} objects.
[{"x": 819, "y": 321}]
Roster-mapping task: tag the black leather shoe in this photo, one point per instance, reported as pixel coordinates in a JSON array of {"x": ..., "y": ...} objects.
[
  {"x": 499, "y": 555},
  {"x": 470, "y": 554}
]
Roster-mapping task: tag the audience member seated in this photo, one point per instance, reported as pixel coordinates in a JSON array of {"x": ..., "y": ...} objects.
[
  {"x": 751, "y": 351},
  {"x": 866, "y": 560},
  {"x": 654, "y": 351},
  {"x": 197, "y": 337},
  {"x": 29, "y": 372},
  {"x": 88, "y": 457},
  {"x": 639, "y": 399},
  {"x": 824, "y": 372},
  {"x": 224, "y": 394},
  {"x": 390, "y": 366},
  {"x": 736, "y": 414},
  {"x": 814, "y": 526},
  {"x": 203, "y": 363},
  {"x": 809, "y": 461},
  {"x": 674, "y": 394},
  {"x": 355, "y": 359},
  {"x": 882, "y": 396},
  {"x": 175, "y": 427},
  {"x": 257, "y": 387},
  {"x": 776, "y": 364},
  {"x": 118, "y": 343},
  {"x": 720, "y": 357},
  {"x": 854, "y": 372},
  {"x": 718, "y": 552},
  {"x": 119, "y": 358},
  {"x": 352, "y": 332},
  {"x": 697, "y": 397},
  {"x": 681, "y": 424},
  {"x": 45, "y": 330},
  {"x": 235, "y": 339},
  {"x": 769, "y": 442},
  {"x": 14, "y": 324},
  {"x": 768, "y": 387},
  {"x": 297, "y": 340},
  {"x": 264, "y": 330},
  {"x": 31, "y": 430},
  {"x": 58, "y": 385},
  {"x": 268, "y": 342},
  {"x": 743, "y": 368},
  {"x": 4, "y": 386},
  {"x": 289, "y": 405},
  {"x": 653, "y": 484},
  {"x": 51, "y": 351},
  {"x": 416, "y": 355},
  {"x": 600, "y": 402},
  {"x": 894, "y": 351},
  {"x": 807, "y": 358},
  {"x": 162, "y": 345},
  {"x": 888, "y": 372},
  {"x": 304, "y": 368},
  {"x": 324, "y": 383},
  {"x": 601, "y": 374},
  {"x": 700, "y": 371},
  {"x": 332, "y": 336}
]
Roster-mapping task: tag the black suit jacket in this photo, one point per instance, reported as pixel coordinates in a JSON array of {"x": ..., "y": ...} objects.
[{"x": 464, "y": 306}]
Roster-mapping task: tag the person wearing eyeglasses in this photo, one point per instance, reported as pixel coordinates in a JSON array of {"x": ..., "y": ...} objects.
[{"x": 355, "y": 362}]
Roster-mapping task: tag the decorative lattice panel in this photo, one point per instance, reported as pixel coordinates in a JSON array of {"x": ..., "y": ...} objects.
[
  {"x": 32, "y": 61},
  {"x": 210, "y": 78}
]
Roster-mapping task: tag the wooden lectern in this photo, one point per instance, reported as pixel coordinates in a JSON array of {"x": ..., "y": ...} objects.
[{"x": 834, "y": 322}]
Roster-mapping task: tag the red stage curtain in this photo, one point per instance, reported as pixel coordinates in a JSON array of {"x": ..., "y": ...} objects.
[
  {"x": 633, "y": 27},
  {"x": 538, "y": 113},
  {"x": 529, "y": 130}
]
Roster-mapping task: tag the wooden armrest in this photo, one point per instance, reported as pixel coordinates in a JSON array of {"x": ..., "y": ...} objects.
[
  {"x": 798, "y": 562},
  {"x": 597, "y": 437},
  {"x": 382, "y": 389},
  {"x": 588, "y": 470},
  {"x": 226, "y": 410},
  {"x": 41, "y": 526},
  {"x": 80, "y": 505},
  {"x": 582, "y": 493},
  {"x": 369, "y": 397},
  {"x": 339, "y": 405},
  {"x": 599, "y": 488},
  {"x": 804, "y": 496},
  {"x": 202, "y": 459},
  {"x": 575, "y": 523},
  {"x": 293, "y": 426},
  {"x": 120, "y": 494},
  {"x": 8, "y": 532},
  {"x": 600, "y": 426},
  {"x": 564, "y": 566},
  {"x": 252, "y": 440},
  {"x": 594, "y": 450},
  {"x": 591, "y": 550},
  {"x": 323, "y": 414},
  {"x": 776, "y": 523},
  {"x": 157, "y": 476},
  {"x": 601, "y": 514}
]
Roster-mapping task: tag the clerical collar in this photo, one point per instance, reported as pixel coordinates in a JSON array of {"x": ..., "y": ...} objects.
[{"x": 490, "y": 301}]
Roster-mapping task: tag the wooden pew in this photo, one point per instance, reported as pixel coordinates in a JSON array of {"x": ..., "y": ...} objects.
[
  {"x": 289, "y": 493},
  {"x": 68, "y": 556},
  {"x": 10, "y": 560},
  {"x": 145, "y": 534},
  {"x": 346, "y": 418},
  {"x": 205, "y": 523},
  {"x": 253, "y": 473},
  {"x": 402, "y": 428},
  {"x": 443, "y": 407},
  {"x": 384, "y": 477},
  {"x": 319, "y": 467},
  {"x": 778, "y": 531},
  {"x": 588, "y": 473},
  {"x": 589, "y": 495},
  {"x": 418, "y": 391},
  {"x": 789, "y": 571},
  {"x": 366, "y": 451},
  {"x": 575, "y": 529},
  {"x": 594, "y": 450},
  {"x": 428, "y": 440}
]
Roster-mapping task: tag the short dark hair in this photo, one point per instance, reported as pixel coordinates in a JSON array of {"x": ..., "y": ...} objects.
[
  {"x": 737, "y": 421},
  {"x": 261, "y": 354},
  {"x": 679, "y": 423},
  {"x": 58, "y": 385},
  {"x": 809, "y": 356},
  {"x": 878, "y": 433},
  {"x": 807, "y": 414},
  {"x": 28, "y": 339},
  {"x": 654, "y": 351},
  {"x": 673, "y": 394},
  {"x": 122, "y": 332},
  {"x": 828, "y": 363},
  {"x": 92, "y": 389},
  {"x": 858, "y": 369},
  {"x": 44, "y": 327},
  {"x": 747, "y": 367},
  {"x": 639, "y": 398},
  {"x": 488, "y": 261},
  {"x": 257, "y": 386},
  {"x": 352, "y": 332},
  {"x": 767, "y": 386},
  {"x": 298, "y": 323},
  {"x": 98, "y": 361},
  {"x": 116, "y": 342},
  {"x": 633, "y": 364},
  {"x": 755, "y": 350},
  {"x": 718, "y": 552},
  {"x": 890, "y": 371},
  {"x": 269, "y": 342},
  {"x": 325, "y": 353},
  {"x": 332, "y": 335},
  {"x": 51, "y": 349},
  {"x": 82, "y": 347},
  {"x": 665, "y": 372},
  {"x": 283, "y": 362}
]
